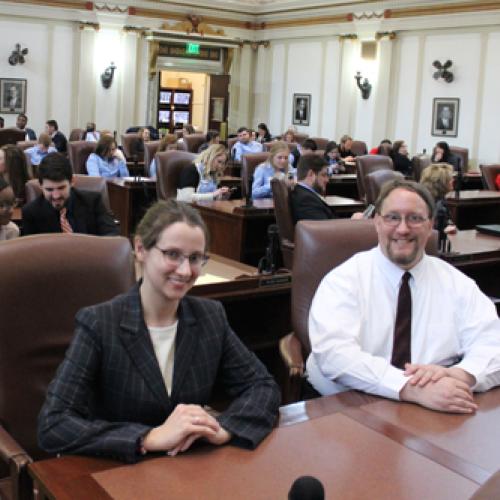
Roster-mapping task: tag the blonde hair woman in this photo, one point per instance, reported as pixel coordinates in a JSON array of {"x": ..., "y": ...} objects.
[{"x": 199, "y": 180}]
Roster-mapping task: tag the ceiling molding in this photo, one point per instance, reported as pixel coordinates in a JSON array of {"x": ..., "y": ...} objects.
[
  {"x": 64, "y": 4},
  {"x": 457, "y": 8}
]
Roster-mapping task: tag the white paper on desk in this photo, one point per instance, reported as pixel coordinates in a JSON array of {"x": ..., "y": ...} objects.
[
  {"x": 137, "y": 179},
  {"x": 208, "y": 279}
]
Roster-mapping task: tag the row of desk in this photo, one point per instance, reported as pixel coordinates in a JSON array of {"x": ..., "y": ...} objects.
[{"x": 358, "y": 446}]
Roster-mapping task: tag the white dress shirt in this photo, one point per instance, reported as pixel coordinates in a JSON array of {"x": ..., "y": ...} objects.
[
  {"x": 352, "y": 316},
  {"x": 163, "y": 339}
]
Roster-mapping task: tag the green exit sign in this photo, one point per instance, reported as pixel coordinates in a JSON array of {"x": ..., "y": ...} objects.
[{"x": 192, "y": 48}]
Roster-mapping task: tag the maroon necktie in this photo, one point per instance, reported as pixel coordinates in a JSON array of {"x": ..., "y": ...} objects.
[
  {"x": 401, "y": 349},
  {"x": 65, "y": 225}
]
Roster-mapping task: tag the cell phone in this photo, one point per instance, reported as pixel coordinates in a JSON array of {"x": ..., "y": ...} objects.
[{"x": 233, "y": 189}]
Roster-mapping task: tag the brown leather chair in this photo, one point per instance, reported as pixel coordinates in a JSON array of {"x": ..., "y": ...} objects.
[
  {"x": 11, "y": 135},
  {"x": 40, "y": 297},
  {"x": 300, "y": 138},
  {"x": 321, "y": 142},
  {"x": 26, "y": 144},
  {"x": 359, "y": 148},
  {"x": 191, "y": 142},
  {"x": 168, "y": 168},
  {"x": 249, "y": 162},
  {"x": 418, "y": 163},
  {"x": 150, "y": 149},
  {"x": 76, "y": 134},
  {"x": 375, "y": 180},
  {"x": 83, "y": 182},
  {"x": 463, "y": 154},
  {"x": 490, "y": 173},
  {"x": 230, "y": 143},
  {"x": 282, "y": 211},
  {"x": 369, "y": 163},
  {"x": 266, "y": 146},
  {"x": 128, "y": 145},
  {"x": 78, "y": 153},
  {"x": 327, "y": 244}
]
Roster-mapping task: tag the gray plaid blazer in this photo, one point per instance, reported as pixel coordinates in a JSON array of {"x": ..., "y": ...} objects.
[{"x": 109, "y": 391}]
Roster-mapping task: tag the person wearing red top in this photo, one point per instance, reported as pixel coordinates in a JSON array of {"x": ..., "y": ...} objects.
[{"x": 497, "y": 182}]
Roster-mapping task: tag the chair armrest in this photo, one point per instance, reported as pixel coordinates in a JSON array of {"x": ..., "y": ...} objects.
[
  {"x": 285, "y": 243},
  {"x": 291, "y": 353}
]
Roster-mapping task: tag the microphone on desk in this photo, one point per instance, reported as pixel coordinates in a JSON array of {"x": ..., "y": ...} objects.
[
  {"x": 441, "y": 220},
  {"x": 459, "y": 179},
  {"x": 267, "y": 264},
  {"x": 306, "y": 488},
  {"x": 248, "y": 194}
]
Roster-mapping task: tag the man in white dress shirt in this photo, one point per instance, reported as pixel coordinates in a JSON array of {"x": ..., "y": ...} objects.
[{"x": 453, "y": 343}]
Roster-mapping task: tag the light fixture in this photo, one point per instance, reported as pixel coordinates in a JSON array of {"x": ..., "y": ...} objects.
[
  {"x": 365, "y": 87},
  {"x": 442, "y": 71},
  {"x": 107, "y": 76},
  {"x": 17, "y": 56}
]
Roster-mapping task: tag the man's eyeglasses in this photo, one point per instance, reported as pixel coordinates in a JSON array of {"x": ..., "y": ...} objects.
[
  {"x": 412, "y": 220},
  {"x": 7, "y": 206},
  {"x": 196, "y": 260}
]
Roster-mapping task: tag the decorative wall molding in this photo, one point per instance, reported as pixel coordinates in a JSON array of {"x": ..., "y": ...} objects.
[
  {"x": 89, "y": 26},
  {"x": 105, "y": 7},
  {"x": 391, "y": 35},
  {"x": 437, "y": 10},
  {"x": 348, "y": 36},
  {"x": 365, "y": 16},
  {"x": 193, "y": 24}
]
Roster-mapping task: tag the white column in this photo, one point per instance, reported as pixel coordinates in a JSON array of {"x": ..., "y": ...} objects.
[
  {"x": 347, "y": 88},
  {"x": 234, "y": 92},
  {"x": 85, "y": 95},
  {"x": 245, "y": 86},
  {"x": 261, "y": 85},
  {"x": 126, "y": 112}
]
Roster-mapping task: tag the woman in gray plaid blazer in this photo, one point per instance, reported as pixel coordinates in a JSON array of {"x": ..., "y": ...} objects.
[{"x": 141, "y": 366}]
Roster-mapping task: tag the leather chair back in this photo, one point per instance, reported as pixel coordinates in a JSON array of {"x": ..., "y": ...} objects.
[
  {"x": 168, "y": 168},
  {"x": 385, "y": 150},
  {"x": 77, "y": 134},
  {"x": 463, "y": 154},
  {"x": 282, "y": 211},
  {"x": 321, "y": 142},
  {"x": 26, "y": 144},
  {"x": 369, "y": 163},
  {"x": 375, "y": 180},
  {"x": 230, "y": 143},
  {"x": 327, "y": 244},
  {"x": 266, "y": 146},
  {"x": 78, "y": 153},
  {"x": 40, "y": 297},
  {"x": 249, "y": 162},
  {"x": 191, "y": 142},
  {"x": 490, "y": 173},
  {"x": 11, "y": 135},
  {"x": 150, "y": 149},
  {"x": 418, "y": 163},
  {"x": 83, "y": 182},
  {"x": 300, "y": 138},
  {"x": 128, "y": 144},
  {"x": 359, "y": 148}
]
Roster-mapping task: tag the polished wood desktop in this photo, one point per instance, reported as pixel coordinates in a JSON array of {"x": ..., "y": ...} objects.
[
  {"x": 359, "y": 446},
  {"x": 474, "y": 207}
]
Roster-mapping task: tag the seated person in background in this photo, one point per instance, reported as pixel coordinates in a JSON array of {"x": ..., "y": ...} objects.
[
  {"x": 8, "y": 230},
  {"x": 187, "y": 129},
  {"x": 58, "y": 138},
  {"x": 137, "y": 146},
  {"x": 91, "y": 134},
  {"x": 331, "y": 157},
  {"x": 14, "y": 170},
  {"x": 400, "y": 158},
  {"x": 21, "y": 122},
  {"x": 438, "y": 179},
  {"x": 41, "y": 150},
  {"x": 377, "y": 150},
  {"x": 276, "y": 166},
  {"x": 442, "y": 154},
  {"x": 212, "y": 137},
  {"x": 119, "y": 153},
  {"x": 407, "y": 326},
  {"x": 244, "y": 144},
  {"x": 307, "y": 147},
  {"x": 263, "y": 134},
  {"x": 497, "y": 181},
  {"x": 63, "y": 209},
  {"x": 142, "y": 366},
  {"x": 289, "y": 136},
  {"x": 345, "y": 149},
  {"x": 169, "y": 141},
  {"x": 306, "y": 199},
  {"x": 199, "y": 181},
  {"x": 106, "y": 162}
]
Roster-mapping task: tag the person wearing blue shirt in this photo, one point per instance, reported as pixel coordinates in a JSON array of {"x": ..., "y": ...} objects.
[
  {"x": 244, "y": 145},
  {"x": 105, "y": 162},
  {"x": 276, "y": 166},
  {"x": 37, "y": 153}
]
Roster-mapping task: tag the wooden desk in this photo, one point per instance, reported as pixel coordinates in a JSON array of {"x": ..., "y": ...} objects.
[
  {"x": 474, "y": 207},
  {"x": 343, "y": 185},
  {"x": 129, "y": 200},
  {"x": 359, "y": 447}
]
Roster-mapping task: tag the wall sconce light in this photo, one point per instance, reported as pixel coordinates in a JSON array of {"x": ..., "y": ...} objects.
[
  {"x": 442, "y": 71},
  {"x": 17, "y": 56},
  {"x": 365, "y": 87},
  {"x": 107, "y": 76}
]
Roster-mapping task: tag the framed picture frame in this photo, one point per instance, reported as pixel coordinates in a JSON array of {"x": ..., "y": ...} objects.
[
  {"x": 12, "y": 95},
  {"x": 445, "y": 116},
  {"x": 301, "y": 113}
]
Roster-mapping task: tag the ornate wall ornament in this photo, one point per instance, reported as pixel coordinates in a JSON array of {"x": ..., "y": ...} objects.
[{"x": 193, "y": 24}]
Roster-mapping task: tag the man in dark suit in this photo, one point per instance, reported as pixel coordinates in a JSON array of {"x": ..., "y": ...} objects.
[
  {"x": 21, "y": 123},
  {"x": 58, "y": 138},
  {"x": 306, "y": 198},
  {"x": 62, "y": 208}
]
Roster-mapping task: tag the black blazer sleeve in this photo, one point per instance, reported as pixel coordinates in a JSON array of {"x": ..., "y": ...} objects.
[
  {"x": 90, "y": 215},
  {"x": 189, "y": 177},
  {"x": 308, "y": 206}
]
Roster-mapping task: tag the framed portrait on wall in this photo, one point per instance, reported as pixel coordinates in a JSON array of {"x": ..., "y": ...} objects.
[
  {"x": 445, "y": 117},
  {"x": 301, "y": 109},
  {"x": 12, "y": 95}
]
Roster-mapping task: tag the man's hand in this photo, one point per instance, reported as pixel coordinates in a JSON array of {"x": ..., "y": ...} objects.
[
  {"x": 447, "y": 394},
  {"x": 423, "y": 374}
]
